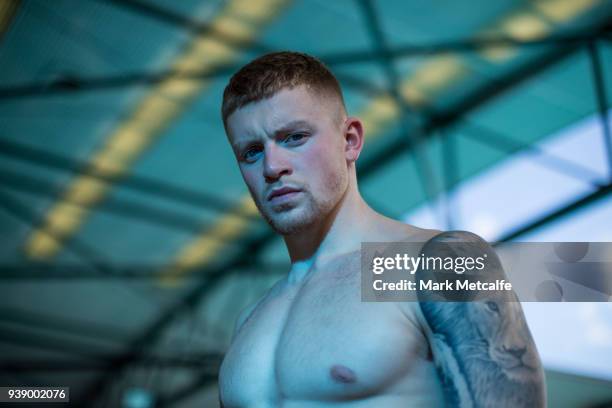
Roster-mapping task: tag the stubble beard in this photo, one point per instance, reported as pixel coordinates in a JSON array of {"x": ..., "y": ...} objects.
[{"x": 290, "y": 219}]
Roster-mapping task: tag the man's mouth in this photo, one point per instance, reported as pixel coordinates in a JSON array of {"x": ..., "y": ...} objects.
[{"x": 282, "y": 194}]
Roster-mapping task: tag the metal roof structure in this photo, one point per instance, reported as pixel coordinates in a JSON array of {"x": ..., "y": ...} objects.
[{"x": 129, "y": 241}]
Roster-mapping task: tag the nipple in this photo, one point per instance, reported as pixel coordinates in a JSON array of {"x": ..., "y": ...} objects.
[{"x": 343, "y": 374}]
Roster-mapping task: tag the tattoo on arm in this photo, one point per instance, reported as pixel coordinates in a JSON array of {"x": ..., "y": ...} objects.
[{"x": 483, "y": 350}]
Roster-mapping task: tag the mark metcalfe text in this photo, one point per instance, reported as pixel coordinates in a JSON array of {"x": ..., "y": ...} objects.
[{"x": 431, "y": 285}]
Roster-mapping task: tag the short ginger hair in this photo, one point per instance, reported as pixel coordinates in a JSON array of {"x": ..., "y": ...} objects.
[{"x": 265, "y": 76}]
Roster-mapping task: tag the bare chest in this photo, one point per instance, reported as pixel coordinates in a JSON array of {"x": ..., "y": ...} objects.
[{"x": 320, "y": 342}]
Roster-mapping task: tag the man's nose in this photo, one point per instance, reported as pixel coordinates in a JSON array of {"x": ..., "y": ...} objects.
[{"x": 276, "y": 163}]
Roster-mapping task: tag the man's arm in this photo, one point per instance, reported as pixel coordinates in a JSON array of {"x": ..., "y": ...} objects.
[{"x": 482, "y": 347}]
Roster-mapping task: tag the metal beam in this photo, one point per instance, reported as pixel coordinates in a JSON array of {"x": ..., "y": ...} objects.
[
  {"x": 509, "y": 145},
  {"x": 81, "y": 250},
  {"x": 75, "y": 272},
  {"x": 170, "y": 17},
  {"x": 599, "y": 194},
  {"x": 469, "y": 45},
  {"x": 63, "y": 325},
  {"x": 408, "y": 121},
  {"x": 73, "y": 84},
  {"x": 208, "y": 363},
  {"x": 14, "y": 150},
  {"x": 62, "y": 344},
  {"x": 602, "y": 101},
  {"x": 174, "y": 19},
  {"x": 113, "y": 205},
  {"x": 89, "y": 352},
  {"x": 18, "y": 210}
]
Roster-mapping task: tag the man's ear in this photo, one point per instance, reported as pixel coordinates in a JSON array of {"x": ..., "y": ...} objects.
[{"x": 353, "y": 135}]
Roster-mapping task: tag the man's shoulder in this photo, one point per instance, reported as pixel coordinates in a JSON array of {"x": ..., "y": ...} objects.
[
  {"x": 397, "y": 231},
  {"x": 433, "y": 235},
  {"x": 456, "y": 236},
  {"x": 458, "y": 242},
  {"x": 432, "y": 240},
  {"x": 401, "y": 232}
]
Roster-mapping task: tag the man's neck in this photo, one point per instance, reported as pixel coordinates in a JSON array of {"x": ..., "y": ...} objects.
[{"x": 342, "y": 231}]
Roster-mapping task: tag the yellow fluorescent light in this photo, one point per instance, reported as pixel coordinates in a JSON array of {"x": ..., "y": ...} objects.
[
  {"x": 438, "y": 73},
  {"x": 428, "y": 78},
  {"x": 526, "y": 27},
  {"x": 412, "y": 94},
  {"x": 563, "y": 10},
  {"x": 498, "y": 53},
  {"x": 154, "y": 113},
  {"x": 63, "y": 218},
  {"x": 522, "y": 26},
  {"x": 128, "y": 143},
  {"x": 175, "y": 89},
  {"x": 7, "y": 11},
  {"x": 233, "y": 28},
  {"x": 60, "y": 221},
  {"x": 213, "y": 50},
  {"x": 104, "y": 164},
  {"x": 378, "y": 113},
  {"x": 86, "y": 191},
  {"x": 150, "y": 118},
  {"x": 254, "y": 11},
  {"x": 41, "y": 245}
]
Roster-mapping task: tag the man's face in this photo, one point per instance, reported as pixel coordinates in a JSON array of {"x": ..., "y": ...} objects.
[{"x": 291, "y": 153}]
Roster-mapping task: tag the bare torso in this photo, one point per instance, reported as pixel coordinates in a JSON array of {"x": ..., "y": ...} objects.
[{"x": 314, "y": 343}]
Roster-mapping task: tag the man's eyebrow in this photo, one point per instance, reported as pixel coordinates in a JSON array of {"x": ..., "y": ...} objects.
[
  {"x": 292, "y": 126},
  {"x": 286, "y": 128},
  {"x": 241, "y": 145}
]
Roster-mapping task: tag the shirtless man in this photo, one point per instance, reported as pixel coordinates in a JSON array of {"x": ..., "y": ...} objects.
[{"x": 311, "y": 341}]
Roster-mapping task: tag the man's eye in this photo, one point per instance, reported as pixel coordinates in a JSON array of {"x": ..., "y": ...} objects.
[
  {"x": 251, "y": 154},
  {"x": 294, "y": 138}
]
